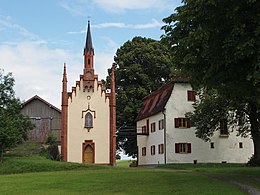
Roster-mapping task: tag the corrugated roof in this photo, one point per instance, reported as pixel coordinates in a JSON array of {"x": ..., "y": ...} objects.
[{"x": 156, "y": 101}]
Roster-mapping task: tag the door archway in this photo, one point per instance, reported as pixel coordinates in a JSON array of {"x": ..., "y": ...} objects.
[{"x": 88, "y": 153}]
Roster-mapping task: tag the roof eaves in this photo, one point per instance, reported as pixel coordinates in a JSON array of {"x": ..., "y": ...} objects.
[{"x": 42, "y": 100}]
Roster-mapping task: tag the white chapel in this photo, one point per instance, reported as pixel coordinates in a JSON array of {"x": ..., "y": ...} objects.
[{"x": 88, "y": 130}]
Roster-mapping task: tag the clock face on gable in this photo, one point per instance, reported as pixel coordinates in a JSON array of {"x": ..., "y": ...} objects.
[{"x": 89, "y": 75}]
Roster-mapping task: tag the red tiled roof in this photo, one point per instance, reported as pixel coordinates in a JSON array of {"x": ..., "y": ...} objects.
[{"x": 156, "y": 101}]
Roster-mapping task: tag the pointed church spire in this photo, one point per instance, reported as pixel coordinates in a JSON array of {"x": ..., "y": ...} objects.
[
  {"x": 64, "y": 79},
  {"x": 88, "y": 46},
  {"x": 88, "y": 50},
  {"x": 88, "y": 72}
]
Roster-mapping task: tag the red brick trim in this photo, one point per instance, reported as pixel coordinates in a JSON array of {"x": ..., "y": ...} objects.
[{"x": 64, "y": 116}]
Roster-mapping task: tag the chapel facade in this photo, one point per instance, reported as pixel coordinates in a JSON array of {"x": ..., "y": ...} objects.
[{"x": 88, "y": 118}]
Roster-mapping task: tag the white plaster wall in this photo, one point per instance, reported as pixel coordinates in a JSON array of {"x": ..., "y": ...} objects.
[
  {"x": 77, "y": 134},
  {"x": 226, "y": 148},
  {"x": 176, "y": 107},
  {"x": 154, "y": 138}
]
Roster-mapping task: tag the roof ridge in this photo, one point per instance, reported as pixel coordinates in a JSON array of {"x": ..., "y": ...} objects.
[
  {"x": 156, "y": 101},
  {"x": 42, "y": 100}
]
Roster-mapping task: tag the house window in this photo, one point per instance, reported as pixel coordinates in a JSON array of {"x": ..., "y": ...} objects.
[
  {"x": 161, "y": 124},
  {"x": 191, "y": 95},
  {"x": 223, "y": 127},
  {"x": 153, "y": 150},
  {"x": 144, "y": 130},
  {"x": 240, "y": 145},
  {"x": 144, "y": 151},
  {"x": 153, "y": 127},
  {"x": 182, "y": 122},
  {"x": 212, "y": 145},
  {"x": 88, "y": 120},
  {"x": 160, "y": 149},
  {"x": 182, "y": 148},
  {"x": 147, "y": 125}
]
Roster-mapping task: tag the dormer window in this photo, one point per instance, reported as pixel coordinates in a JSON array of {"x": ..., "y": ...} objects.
[{"x": 88, "y": 120}]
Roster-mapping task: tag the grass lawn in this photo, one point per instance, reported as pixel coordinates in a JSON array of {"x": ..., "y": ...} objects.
[
  {"x": 236, "y": 172},
  {"x": 113, "y": 181},
  {"x": 37, "y": 175},
  {"x": 35, "y": 163},
  {"x": 123, "y": 163},
  {"x": 24, "y": 172}
]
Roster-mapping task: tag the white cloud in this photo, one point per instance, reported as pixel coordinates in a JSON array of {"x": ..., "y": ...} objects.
[
  {"x": 77, "y": 32},
  {"x": 103, "y": 61},
  {"x": 82, "y": 7},
  {"x": 75, "y": 7},
  {"x": 109, "y": 25},
  {"x": 7, "y": 24},
  {"x": 153, "y": 24},
  {"x": 110, "y": 45},
  {"x": 37, "y": 69},
  {"x": 124, "y": 5}
]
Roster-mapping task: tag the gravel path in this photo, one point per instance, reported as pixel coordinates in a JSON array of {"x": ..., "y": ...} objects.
[{"x": 251, "y": 190}]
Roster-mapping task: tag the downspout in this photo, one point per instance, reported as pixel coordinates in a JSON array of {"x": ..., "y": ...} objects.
[
  {"x": 112, "y": 106},
  {"x": 164, "y": 136}
]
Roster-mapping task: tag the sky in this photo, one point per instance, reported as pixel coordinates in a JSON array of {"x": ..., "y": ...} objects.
[{"x": 38, "y": 36}]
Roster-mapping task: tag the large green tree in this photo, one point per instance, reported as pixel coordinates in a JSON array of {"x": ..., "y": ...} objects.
[
  {"x": 141, "y": 66},
  {"x": 217, "y": 42},
  {"x": 13, "y": 125}
]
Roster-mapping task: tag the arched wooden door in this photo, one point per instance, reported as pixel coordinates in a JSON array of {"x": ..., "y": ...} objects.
[{"x": 88, "y": 154}]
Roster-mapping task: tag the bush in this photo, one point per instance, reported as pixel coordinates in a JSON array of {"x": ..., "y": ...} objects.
[
  {"x": 118, "y": 157},
  {"x": 133, "y": 163},
  {"x": 50, "y": 140},
  {"x": 253, "y": 162},
  {"x": 52, "y": 150}
]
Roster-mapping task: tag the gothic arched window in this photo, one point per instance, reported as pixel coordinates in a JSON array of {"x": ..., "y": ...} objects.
[{"x": 88, "y": 120}]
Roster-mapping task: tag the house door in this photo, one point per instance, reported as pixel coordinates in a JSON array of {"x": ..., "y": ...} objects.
[{"x": 88, "y": 155}]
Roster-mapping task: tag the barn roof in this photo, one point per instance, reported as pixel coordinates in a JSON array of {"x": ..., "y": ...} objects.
[
  {"x": 156, "y": 101},
  {"x": 36, "y": 97}
]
